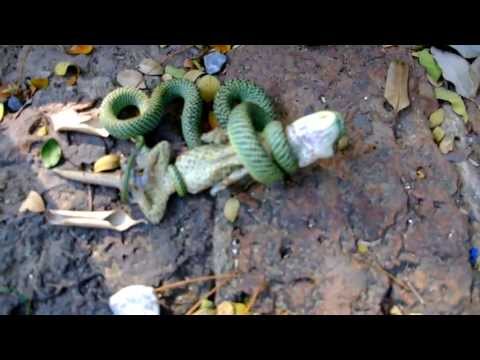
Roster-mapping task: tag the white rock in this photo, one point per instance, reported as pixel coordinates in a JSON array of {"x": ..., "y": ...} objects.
[
  {"x": 313, "y": 137},
  {"x": 135, "y": 300}
]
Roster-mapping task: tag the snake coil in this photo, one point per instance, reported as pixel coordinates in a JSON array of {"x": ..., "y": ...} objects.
[{"x": 241, "y": 107}]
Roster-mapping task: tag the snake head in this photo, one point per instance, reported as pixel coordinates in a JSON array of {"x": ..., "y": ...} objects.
[{"x": 315, "y": 136}]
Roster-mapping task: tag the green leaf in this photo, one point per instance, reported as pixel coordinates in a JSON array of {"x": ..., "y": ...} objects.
[
  {"x": 428, "y": 62},
  {"x": 453, "y": 98},
  {"x": 175, "y": 72},
  {"x": 51, "y": 153}
]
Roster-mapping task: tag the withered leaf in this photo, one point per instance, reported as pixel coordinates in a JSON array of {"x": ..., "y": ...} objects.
[{"x": 396, "y": 88}]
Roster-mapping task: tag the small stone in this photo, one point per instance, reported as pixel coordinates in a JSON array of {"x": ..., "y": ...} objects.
[
  {"x": 135, "y": 300},
  {"x": 214, "y": 62},
  {"x": 438, "y": 134},
  {"x": 447, "y": 144},
  {"x": 14, "y": 104}
]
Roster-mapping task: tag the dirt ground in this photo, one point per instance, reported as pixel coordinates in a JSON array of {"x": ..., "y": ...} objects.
[{"x": 300, "y": 237}]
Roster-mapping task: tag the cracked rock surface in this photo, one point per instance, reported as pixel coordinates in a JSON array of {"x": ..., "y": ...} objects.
[{"x": 300, "y": 237}]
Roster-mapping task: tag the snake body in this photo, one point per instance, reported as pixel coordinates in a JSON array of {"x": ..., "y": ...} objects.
[{"x": 241, "y": 107}]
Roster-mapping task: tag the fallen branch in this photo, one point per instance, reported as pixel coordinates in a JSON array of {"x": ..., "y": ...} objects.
[
  {"x": 210, "y": 293},
  {"x": 193, "y": 281},
  {"x": 255, "y": 295}
]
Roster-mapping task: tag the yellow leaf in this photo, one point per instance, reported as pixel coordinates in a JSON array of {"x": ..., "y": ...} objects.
[
  {"x": 80, "y": 50},
  {"x": 208, "y": 86},
  {"x": 222, "y": 48},
  {"x": 42, "y": 131},
  {"x": 362, "y": 248},
  {"x": 33, "y": 203},
  {"x": 437, "y": 117},
  {"x": 232, "y": 207},
  {"x": 396, "y": 88},
  {"x": 2, "y": 111},
  {"x": 212, "y": 120},
  {"x": 107, "y": 163},
  {"x": 240, "y": 309},
  {"x": 39, "y": 83},
  {"x": 193, "y": 75},
  {"x": 395, "y": 310},
  {"x": 63, "y": 67},
  {"x": 226, "y": 308},
  {"x": 438, "y": 134},
  {"x": 453, "y": 98}
]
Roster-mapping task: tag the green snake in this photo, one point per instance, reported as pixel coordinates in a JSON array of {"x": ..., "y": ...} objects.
[{"x": 241, "y": 107}]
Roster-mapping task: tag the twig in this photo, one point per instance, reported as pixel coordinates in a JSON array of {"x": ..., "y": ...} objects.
[
  {"x": 254, "y": 297},
  {"x": 90, "y": 197},
  {"x": 193, "y": 281},
  {"x": 207, "y": 295},
  {"x": 27, "y": 104},
  {"x": 390, "y": 276},
  {"x": 415, "y": 292}
]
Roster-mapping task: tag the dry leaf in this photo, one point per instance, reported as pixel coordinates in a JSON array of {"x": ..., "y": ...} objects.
[
  {"x": 175, "y": 72},
  {"x": 226, "y": 308},
  {"x": 232, "y": 207},
  {"x": 150, "y": 67},
  {"x": 70, "y": 120},
  {"x": 395, "y": 310},
  {"x": 437, "y": 117},
  {"x": 438, "y": 134},
  {"x": 396, "y": 88},
  {"x": 33, "y": 203},
  {"x": 42, "y": 131},
  {"x": 188, "y": 64},
  {"x": 131, "y": 78},
  {"x": 240, "y": 309},
  {"x": 116, "y": 220},
  {"x": 193, "y": 75},
  {"x": 80, "y": 50},
  {"x": 453, "y": 98},
  {"x": 208, "y": 86},
  {"x": 39, "y": 83},
  {"x": 167, "y": 77},
  {"x": 457, "y": 70},
  {"x": 64, "y": 67},
  {"x": 107, "y": 163},
  {"x": 447, "y": 144},
  {"x": 222, "y": 48}
]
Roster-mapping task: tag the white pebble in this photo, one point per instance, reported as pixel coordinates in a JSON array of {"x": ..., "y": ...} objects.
[{"x": 135, "y": 300}]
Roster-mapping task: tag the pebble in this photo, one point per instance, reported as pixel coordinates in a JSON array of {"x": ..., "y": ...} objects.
[
  {"x": 135, "y": 300},
  {"x": 214, "y": 62},
  {"x": 14, "y": 104}
]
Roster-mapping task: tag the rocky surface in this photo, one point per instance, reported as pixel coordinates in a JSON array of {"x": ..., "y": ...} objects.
[{"x": 299, "y": 237}]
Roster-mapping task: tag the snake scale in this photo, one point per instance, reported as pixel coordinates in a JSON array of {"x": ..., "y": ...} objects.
[{"x": 243, "y": 109}]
